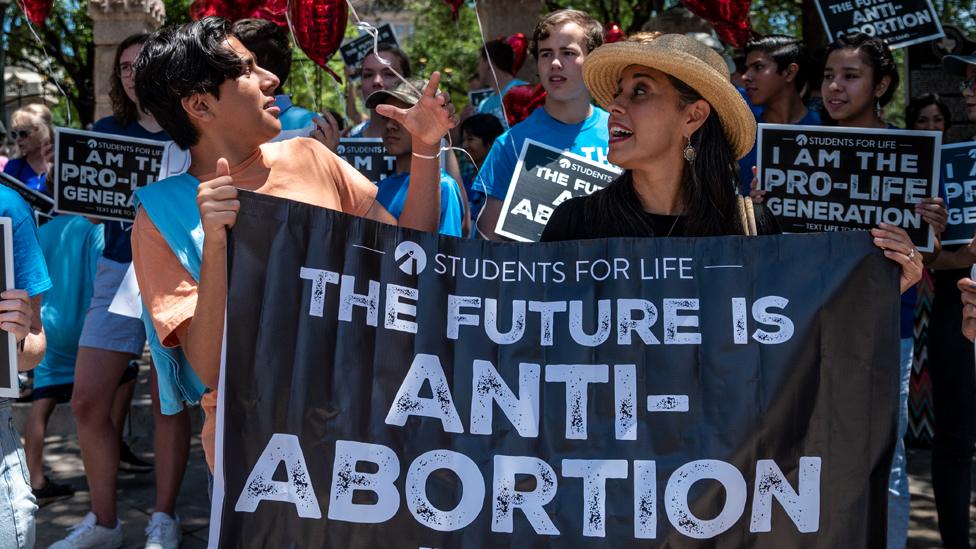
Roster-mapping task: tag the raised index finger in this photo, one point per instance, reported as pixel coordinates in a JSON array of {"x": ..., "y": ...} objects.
[{"x": 431, "y": 89}]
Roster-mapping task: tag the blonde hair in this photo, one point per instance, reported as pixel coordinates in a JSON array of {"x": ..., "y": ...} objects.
[
  {"x": 38, "y": 114},
  {"x": 644, "y": 37}
]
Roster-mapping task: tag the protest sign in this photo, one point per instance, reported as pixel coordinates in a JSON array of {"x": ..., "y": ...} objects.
[
  {"x": 544, "y": 178},
  {"x": 821, "y": 178},
  {"x": 959, "y": 176},
  {"x": 38, "y": 201},
  {"x": 355, "y": 50},
  {"x": 368, "y": 156},
  {"x": 898, "y": 22},
  {"x": 383, "y": 387},
  {"x": 476, "y": 97},
  {"x": 9, "y": 384},
  {"x": 96, "y": 174}
]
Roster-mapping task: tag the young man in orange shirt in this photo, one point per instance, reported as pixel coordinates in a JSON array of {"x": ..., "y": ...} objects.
[{"x": 211, "y": 97}]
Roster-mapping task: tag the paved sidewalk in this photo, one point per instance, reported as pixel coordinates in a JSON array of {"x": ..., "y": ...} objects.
[{"x": 136, "y": 494}]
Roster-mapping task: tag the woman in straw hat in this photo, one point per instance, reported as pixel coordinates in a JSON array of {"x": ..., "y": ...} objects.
[{"x": 677, "y": 127}]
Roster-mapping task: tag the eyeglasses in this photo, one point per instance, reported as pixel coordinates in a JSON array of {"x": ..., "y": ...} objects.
[
  {"x": 967, "y": 85},
  {"x": 126, "y": 69},
  {"x": 21, "y": 133}
]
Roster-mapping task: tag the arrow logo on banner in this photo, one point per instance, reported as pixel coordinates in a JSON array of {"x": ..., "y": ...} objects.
[
  {"x": 972, "y": 153},
  {"x": 801, "y": 140},
  {"x": 564, "y": 163},
  {"x": 410, "y": 257},
  {"x": 92, "y": 144}
]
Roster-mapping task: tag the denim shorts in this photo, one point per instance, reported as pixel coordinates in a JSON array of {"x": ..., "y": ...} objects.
[
  {"x": 17, "y": 503},
  {"x": 105, "y": 330}
]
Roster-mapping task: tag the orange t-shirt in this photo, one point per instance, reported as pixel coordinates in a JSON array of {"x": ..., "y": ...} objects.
[{"x": 298, "y": 169}]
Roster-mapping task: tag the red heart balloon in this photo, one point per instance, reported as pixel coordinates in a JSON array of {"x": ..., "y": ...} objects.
[
  {"x": 729, "y": 18},
  {"x": 455, "y": 6},
  {"x": 272, "y": 10},
  {"x": 318, "y": 27},
  {"x": 520, "y": 47},
  {"x": 520, "y": 101},
  {"x": 613, "y": 33},
  {"x": 36, "y": 10}
]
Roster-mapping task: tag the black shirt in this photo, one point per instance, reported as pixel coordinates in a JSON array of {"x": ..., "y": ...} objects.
[{"x": 572, "y": 221}]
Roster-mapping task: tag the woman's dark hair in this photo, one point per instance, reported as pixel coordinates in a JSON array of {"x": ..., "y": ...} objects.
[
  {"x": 269, "y": 44},
  {"x": 484, "y": 126},
  {"x": 915, "y": 106},
  {"x": 709, "y": 188},
  {"x": 876, "y": 53},
  {"x": 124, "y": 110},
  {"x": 784, "y": 50},
  {"x": 177, "y": 62}
]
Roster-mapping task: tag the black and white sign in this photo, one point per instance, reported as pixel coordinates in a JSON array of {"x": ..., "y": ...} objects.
[
  {"x": 899, "y": 22},
  {"x": 368, "y": 156},
  {"x": 355, "y": 50},
  {"x": 823, "y": 178},
  {"x": 38, "y": 201},
  {"x": 9, "y": 384},
  {"x": 924, "y": 74},
  {"x": 959, "y": 176},
  {"x": 384, "y": 387},
  {"x": 476, "y": 97},
  {"x": 96, "y": 174},
  {"x": 544, "y": 178}
]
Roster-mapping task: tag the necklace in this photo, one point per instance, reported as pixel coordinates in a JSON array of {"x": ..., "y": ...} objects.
[{"x": 673, "y": 225}]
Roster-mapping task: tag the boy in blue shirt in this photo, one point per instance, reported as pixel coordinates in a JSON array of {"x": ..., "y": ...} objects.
[
  {"x": 777, "y": 71},
  {"x": 392, "y": 191},
  {"x": 497, "y": 66},
  {"x": 20, "y": 314},
  {"x": 567, "y": 120}
]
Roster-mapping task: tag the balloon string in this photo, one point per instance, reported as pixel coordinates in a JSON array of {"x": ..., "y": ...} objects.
[{"x": 47, "y": 58}]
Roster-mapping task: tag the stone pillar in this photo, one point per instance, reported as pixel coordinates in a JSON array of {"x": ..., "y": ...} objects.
[
  {"x": 112, "y": 22},
  {"x": 507, "y": 17}
]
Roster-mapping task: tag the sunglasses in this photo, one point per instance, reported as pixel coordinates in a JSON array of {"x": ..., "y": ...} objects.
[{"x": 14, "y": 134}]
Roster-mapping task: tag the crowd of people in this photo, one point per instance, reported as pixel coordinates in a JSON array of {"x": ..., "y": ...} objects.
[{"x": 676, "y": 116}]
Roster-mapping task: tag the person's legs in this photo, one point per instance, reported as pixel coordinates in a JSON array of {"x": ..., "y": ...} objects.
[
  {"x": 899, "y": 502},
  {"x": 97, "y": 374},
  {"x": 40, "y": 413},
  {"x": 122, "y": 403},
  {"x": 172, "y": 444},
  {"x": 17, "y": 504}
]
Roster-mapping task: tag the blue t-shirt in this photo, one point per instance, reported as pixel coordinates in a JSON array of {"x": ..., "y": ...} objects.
[
  {"x": 493, "y": 103},
  {"x": 392, "y": 193},
  {"x": 812, "y": 118},
  {"x": 589, "y": 139},
  {"x": 71, "y": 246},
  {"x": 295, "y": 121},
  {"x": 118, "y": 247},
  {"x": 30, "y": 271},
  {"x": 20, "y": 169}
]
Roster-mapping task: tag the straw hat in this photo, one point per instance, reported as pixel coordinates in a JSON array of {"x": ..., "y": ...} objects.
[{"x": 686, "y": 59}]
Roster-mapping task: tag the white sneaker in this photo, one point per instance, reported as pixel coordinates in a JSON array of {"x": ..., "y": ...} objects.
[
  {"x": 163, "y": 532},
  {"x": 87, "y": 534}
]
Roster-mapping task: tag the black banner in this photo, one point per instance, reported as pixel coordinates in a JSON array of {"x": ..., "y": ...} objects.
[
  {"x": 823, "y": 178},
  {"x": 96, "y": 174},
  {"x": 544, "y": 178},
  {"x": 389, "y": 388},
  {"x": 368, "y": 156},
  {"x": 476, "y": 97},
  {"x": 38, "y": 201},
  {"x": 959, "y": 176},
  {"x": 9, "y": 384},
  {"x": 899, "y": 22},
  {"x": 355, "y": 50}
]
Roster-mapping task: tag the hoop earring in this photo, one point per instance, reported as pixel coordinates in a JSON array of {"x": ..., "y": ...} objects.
[
  {"x": 877, "y": 107},
  {"x": 689, "y": 152}
]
